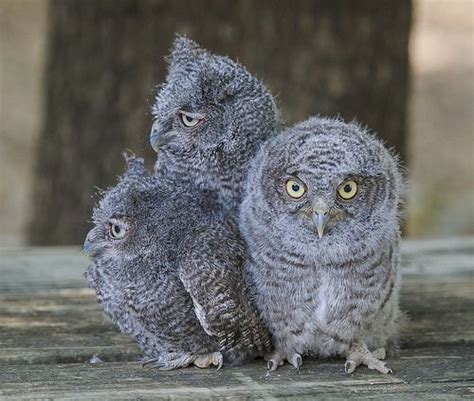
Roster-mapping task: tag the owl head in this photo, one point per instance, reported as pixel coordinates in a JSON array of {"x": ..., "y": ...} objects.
[
  {"x": 324, "y": 188},
  {"x": 209, "y": 117},
  {"x": 132, "y": 220},
  {"x": 123, "y": 218}
]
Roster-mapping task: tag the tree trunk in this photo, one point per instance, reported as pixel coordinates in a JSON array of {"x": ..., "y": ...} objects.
[{"x": 106, "y": 58}]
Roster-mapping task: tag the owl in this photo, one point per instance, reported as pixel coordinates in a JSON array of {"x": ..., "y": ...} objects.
[
  {"x": 210, "y": 115},
  {"x": 167, "y": 271},
  {"x": 320, "y": 217}
]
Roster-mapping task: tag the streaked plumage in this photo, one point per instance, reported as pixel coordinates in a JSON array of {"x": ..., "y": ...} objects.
[
  {"x": 232, "y": 113},
  {"x": 337, "y": 294},
  {"x": 173, "y": 281},
  {"x": 210, "y": 116}
]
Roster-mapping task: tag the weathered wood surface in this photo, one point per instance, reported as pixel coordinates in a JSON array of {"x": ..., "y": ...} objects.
[{"x": 51, "y": 326}]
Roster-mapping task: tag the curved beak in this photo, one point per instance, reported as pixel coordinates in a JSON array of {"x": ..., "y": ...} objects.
[
  {"x": 154, "y": 137},
  {"x": 320, "y": 220},
  {"x": 90, "y": 247},
  {"x": 321, "y": 216}
]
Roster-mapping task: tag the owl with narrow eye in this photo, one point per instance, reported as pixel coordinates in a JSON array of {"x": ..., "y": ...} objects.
[
  {"x": 210, "y": 115},
  {"x": 167, "y": 271},
  {"x": 320, "y": 217}
]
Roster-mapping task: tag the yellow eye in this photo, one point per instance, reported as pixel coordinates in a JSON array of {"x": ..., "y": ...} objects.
[
  {"x": 295, "y": 189},
  {"x": 189, "y": 121},
  {"x": 348, "y": 189}
]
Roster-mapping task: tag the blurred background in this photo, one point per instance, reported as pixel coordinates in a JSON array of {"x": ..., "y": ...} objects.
[{"x": 77, "y": 79}]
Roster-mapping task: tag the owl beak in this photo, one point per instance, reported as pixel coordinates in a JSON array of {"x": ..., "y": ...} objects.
[
  {"x": 90, "y": 247},
  {"x": 320, "y": 220},
  {"x": 154, "y": 137},
  {"x": 321, "y": 216}
]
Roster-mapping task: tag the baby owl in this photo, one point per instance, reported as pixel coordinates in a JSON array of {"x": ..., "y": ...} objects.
[
  {"x": 151, "y": 277},
  {"x": 320, "y": 217},
  {"x": 210, "y": 116}
]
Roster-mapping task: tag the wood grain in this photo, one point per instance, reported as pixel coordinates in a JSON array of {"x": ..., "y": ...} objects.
[{"x": 51, "y": 326}]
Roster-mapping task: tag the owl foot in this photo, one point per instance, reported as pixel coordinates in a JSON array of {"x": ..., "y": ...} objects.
[
  {"x": 359, "y": 354},
  {"x": 173, "y": 360},
  {"x": 176, "y": 360},
  {"x": 205, "y": 361},
  {"x": 277, "y": 359}
]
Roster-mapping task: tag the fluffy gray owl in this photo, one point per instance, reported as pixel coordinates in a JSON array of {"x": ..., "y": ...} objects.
[
  {"x": 153, "y": 281},
  {"x": 210, "y": 116},
  {"x": 320, "y": 217}
]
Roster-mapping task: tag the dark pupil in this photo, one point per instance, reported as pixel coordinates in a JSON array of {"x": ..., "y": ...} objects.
[
  {"x": 116, "y": 229},
  {"x": 295, "y": 187},
  {"x": 347, "y": 188}
]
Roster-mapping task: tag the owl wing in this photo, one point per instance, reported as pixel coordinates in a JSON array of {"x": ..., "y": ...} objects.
[{"x": 210, "y": 269}]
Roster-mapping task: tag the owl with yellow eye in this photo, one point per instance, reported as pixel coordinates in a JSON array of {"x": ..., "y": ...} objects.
[{"x": 320, "y": 218}]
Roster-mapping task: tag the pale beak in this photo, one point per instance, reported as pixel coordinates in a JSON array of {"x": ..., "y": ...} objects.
[
  {"x": 321, "y": 216},
  {"x": 90, "y": 247},
  {"x": 154, "y": 137},
  {"x": 320, "y": 220}
]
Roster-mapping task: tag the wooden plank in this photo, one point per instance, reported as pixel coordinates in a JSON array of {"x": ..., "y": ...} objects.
[
  {"x": 58, "y": 326},
  {"x": 448, "y": 257},
  {"x": 27, "y": 270},
  {"x": 47, "y": 316},
  {"x": 68, "y": 326},
  {"x": 51, "y": 325},
  {"x": 449, "y": 373},
  {"x": 440, "y": 312}
]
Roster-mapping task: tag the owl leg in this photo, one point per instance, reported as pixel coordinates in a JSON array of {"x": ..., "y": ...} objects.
[
  {"x": 176, "y": 360},
  {"x": 170, "y": 361},
  {"x": 278, "y": 359},
  {"x": 205, "y": 361},
  {"x": 359, "y": 354}
]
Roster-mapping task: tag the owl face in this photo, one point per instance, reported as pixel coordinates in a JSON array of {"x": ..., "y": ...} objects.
[
  {"x": 144, "y": 217},
  {"x": 123, "y": 219},
  {"x": 210, "y": 112},
  {"x": 323, "y": 185},
  {"x": 121, "y": 228}
]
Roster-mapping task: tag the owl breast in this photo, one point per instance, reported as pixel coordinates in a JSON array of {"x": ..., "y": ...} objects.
[{"x": 321, "y": 308}]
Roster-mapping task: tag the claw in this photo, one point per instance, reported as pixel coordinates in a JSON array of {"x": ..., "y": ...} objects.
[
  {"x": 350, "y": 366},
  {"x": 359, "y": 354},
  {"x": 218, "y": 361},
  {"x": 277, "y": 359},
  {"x": 173, "y": 360},
  {"x": 204, "y": 361},
  {"x": 150, "y": 362},
  {"x": 296, "y": 360},
  {"x": 272, "y": 365}
]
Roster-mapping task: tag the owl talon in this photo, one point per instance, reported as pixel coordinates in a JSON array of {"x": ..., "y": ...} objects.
[
  {"x": 272, "y": 365},
  {"x": 295, "y": 360},
  {"x": 350, "y": 367},
  {"x": 275, "y": 360},
  {"x": 173, "y": 360},
  {"x": 213, "y": 359},
  {"x": 360, "y": 355}
]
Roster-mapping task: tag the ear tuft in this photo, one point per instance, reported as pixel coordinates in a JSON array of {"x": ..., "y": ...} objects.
[
  {"x": 184, "y": 50},
  {"x": 135, "y": 166}
]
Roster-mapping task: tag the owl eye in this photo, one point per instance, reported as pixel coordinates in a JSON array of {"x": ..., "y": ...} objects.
[
  {"x": 295, "y": 189},
  {"x": 188, "y": 120},
  {"x": 117, "y": 230},
  {"x": 348, "y": 189}
]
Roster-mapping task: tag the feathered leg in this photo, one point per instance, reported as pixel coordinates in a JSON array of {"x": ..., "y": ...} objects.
[
  {"x": 278, "y": 359},
  {"x": 359, "y": 354},
  {"x": 176, "y": 360}
]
